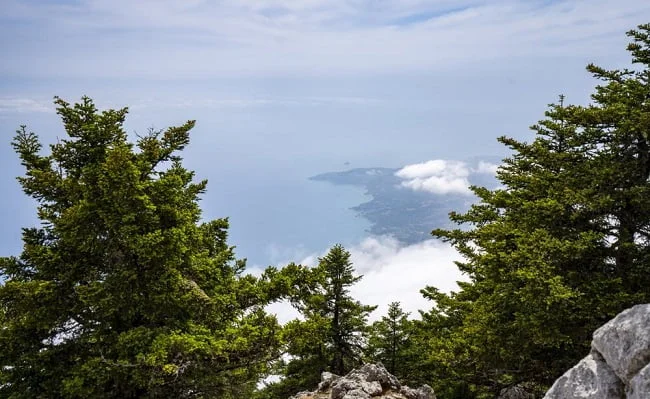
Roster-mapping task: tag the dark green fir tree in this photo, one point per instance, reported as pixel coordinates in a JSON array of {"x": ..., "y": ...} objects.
[
  {"x": 333, "y": 333},
  {"x": 561, "y": 248},
  {"x": 122, "y": 291}
]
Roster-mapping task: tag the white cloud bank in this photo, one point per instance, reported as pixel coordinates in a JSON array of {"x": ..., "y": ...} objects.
[
  {"x": 396, "y": 273},
  {"x": 440, "y": 176},
  {"x": 393, "y": 272}
]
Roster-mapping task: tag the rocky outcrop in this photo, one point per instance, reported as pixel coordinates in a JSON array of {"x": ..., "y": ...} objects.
[
  {"x": 369, "y": 381},
  {"x": 618, "y": 366}
]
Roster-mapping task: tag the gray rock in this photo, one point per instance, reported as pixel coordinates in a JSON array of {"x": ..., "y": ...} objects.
[
  {"x": 639, "y": 387},
  {"x": 424, "y": 392},
  {"x": 356, "y": 394},
  {"x": 326, "y": 380},
  {"x": 369, "y": 381},
  {"x": 342, "y": 386},
  {"x": 373, "y": 388},
  {"x": 624, "y": 342},
  {"x": 368, "y": 390},
  {"x": 377, "y": 372},
  {"x": 355, "y": 385},
  {"x": 591, "y": 378},
  {"x": 302, "y": 395}
]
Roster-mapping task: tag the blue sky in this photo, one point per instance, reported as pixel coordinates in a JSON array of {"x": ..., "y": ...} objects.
[{"x": 284, "y": 89}]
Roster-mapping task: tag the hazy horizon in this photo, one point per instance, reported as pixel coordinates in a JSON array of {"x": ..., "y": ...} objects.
[{"x": 285, "y": 90}]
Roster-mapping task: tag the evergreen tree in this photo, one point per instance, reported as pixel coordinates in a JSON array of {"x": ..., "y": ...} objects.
[
  {"x": 389, "y": 341},
  {"x": 348, "y": 316},
  {"x": 332, "y": 335},
  {"x": 560, "y": 249},
  {"x": 122, "y": 292}
]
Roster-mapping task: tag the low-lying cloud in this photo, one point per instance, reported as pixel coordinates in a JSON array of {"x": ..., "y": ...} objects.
[
  {"x": 393, "y": 272},
  {"x": 396, "y": 273}
]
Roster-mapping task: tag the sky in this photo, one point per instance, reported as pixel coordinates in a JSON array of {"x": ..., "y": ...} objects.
[{"x": 285, "y": 89}]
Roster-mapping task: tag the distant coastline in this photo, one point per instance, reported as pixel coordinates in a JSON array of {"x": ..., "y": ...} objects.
[{"x": 407, "y": 215}]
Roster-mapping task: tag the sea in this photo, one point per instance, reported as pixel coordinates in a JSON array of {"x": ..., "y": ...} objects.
[{"x": 280, "y": 216}]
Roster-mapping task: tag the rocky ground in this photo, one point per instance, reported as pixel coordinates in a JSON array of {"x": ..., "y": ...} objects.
[
  {"x": 618, "y": 367},
  {"x": 369, "y": 381}
]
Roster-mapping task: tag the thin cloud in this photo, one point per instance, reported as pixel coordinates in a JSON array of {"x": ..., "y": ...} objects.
[
  {"x": 23, "y": 105},
  {"x": 175, "y": 40},
  {"x": 487, "y": 168},
  {"x": 252, "y": 102}
]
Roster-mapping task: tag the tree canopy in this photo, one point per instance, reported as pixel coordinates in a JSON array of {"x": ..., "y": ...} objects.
[
  {"x": 332, "y": 335},
  {"x": 123, "y": 291},
  {"x": 562, "y": 246},
  {"x": 389, "y": 341}
]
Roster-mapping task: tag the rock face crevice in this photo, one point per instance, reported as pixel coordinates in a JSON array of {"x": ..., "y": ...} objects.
[
  {"x": 618, "y": 366},
  {"x": 366, "y": 382}
]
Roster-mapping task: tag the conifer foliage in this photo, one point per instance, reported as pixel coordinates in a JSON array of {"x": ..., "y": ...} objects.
[
  {"x": 561, "y": 248},
  {"x": 332, "y": 335},
  {"x": 390, "y": 340},
  {"x": 123, "y": 292}
]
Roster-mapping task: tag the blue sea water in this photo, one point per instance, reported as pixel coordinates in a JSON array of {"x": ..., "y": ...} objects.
[{"x": 278, "y": 216}]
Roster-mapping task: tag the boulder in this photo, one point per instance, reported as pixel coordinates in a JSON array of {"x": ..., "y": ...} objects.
[
  {"x": 366, "y": 382},
  {"x": 639, "y": 386},
  {"x": 591, "y": 378},
  {"x": 424, "y": 392},
  {"x": 624, "y": 341},
  {"x": 350, "y": 388},
  {"x": 618, "y": 366},
  {"x": 326, "y": 380}
]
